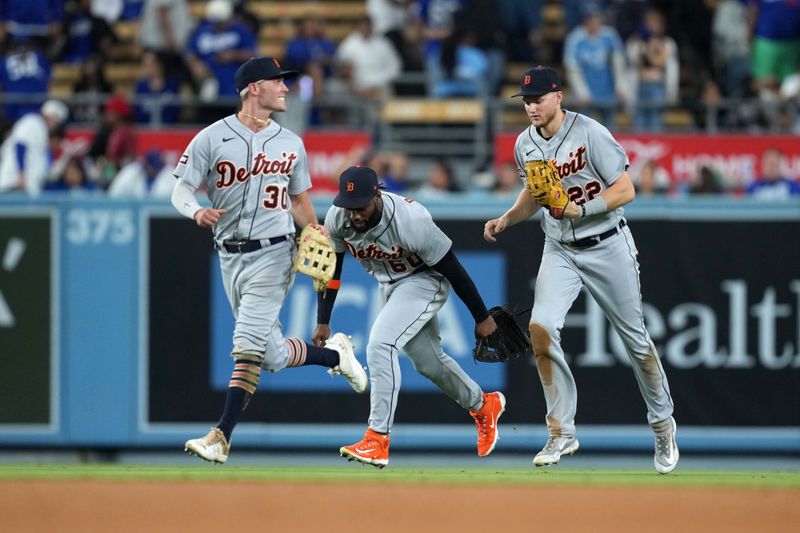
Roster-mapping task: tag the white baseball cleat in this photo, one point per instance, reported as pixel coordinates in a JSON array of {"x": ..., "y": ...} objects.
[
  {"x": 554, "y": 449},
  {"x": 213, "y": 447},
  {"x": 667, "y": 454},
  {"x": 348, "y": 366}
]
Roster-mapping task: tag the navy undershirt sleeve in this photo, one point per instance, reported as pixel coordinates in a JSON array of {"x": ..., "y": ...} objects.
[
  {"x": 464, "y": 287},
  {"x": 326, "y": 298}
]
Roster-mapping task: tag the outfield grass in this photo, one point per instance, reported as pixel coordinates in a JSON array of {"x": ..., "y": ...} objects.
[{"x": 365, "y": 474}]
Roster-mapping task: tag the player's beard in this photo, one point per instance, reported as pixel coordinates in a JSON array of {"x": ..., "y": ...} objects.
[{"x": 373, "y": 220}]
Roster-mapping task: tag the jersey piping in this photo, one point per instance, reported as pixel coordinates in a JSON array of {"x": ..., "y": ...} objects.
[
  {"x": 389, "y": 223},
  {"x": 260, "y": 181},
  {"x": 247, "y": 185}
]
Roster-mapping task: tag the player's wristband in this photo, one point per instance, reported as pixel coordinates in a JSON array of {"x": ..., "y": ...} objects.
[{"x": 594, "y": 206}]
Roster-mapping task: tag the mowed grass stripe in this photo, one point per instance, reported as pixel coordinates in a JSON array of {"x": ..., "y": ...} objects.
[{"x": 364, "y": 474}]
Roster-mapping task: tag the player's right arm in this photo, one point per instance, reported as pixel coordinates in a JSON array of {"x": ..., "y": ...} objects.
[
  {"x": 326, "y": 298},
  {"x": 186, "y": 203},
  {"x": 191, "y": 171},
  {"x": 523, "y": 209},
  {"x": 325, "y": 301}
]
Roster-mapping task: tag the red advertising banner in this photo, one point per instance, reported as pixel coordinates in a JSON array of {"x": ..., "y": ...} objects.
[
  {"x": 737, "y": 158},
  {"x": 327, "y": 151}
]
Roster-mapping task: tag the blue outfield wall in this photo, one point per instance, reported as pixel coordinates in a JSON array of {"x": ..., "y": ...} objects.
[{"x": 120, "y": 307}]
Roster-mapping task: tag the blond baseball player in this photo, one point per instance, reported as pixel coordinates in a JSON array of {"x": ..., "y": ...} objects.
[
  {"x": 257, "y": 179},
  {"x": 578, "y": 172}
]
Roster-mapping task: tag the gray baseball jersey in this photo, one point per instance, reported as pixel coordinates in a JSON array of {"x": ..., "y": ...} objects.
[
  {"x": 404, "y": 240},
  {"x": 396, "y": 252},
  {"x": 249, "y": 174},
  {"x": 589, "y": 160}
]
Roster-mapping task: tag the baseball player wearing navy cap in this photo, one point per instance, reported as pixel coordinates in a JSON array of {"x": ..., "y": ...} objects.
[
  {"x": 258, "y": 69},
  {"x": 589, "y": 246},
  {"x": 256, "y": 174},
  {"x": 539, "y": 81},
  {"x": 396, "y": 241}
]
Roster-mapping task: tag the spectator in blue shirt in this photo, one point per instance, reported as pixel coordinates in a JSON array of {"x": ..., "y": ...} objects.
[
  {"x": 438, "y": 18},
  {"x": 155, "y": 93},
  {"x": 131, "y": 9},
  {"x": 575, "y": 10},
  {"x": 36, "y": 20},
  {"x": 84, "y": 34},
  {"x": 594, "y": 59},
  {"x": 772, "y": 184},
  {"x": 25, "y": 73},
  {"x": 521, "y": 20},
  {"x": 462, "y": 68},
  {"x": 219, "y": 46},
  {"x": 310, "y": 51}
]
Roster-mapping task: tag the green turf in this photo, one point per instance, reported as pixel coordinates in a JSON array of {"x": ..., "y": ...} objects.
[{"x": 365, "y": 474}]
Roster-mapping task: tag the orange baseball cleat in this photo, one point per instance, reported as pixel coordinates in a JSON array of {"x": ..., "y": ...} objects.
[
  {"x": 494, "y": 403},
  {"x": 373, "y": 449}
]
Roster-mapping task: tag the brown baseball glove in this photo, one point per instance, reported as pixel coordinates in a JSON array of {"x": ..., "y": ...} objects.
[
  {"x": 544, "y": 184},
  {"x": 315, "y": 256}
]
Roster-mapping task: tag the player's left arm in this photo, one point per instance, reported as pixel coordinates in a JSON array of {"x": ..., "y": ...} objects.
[
  {"x": 303, "y": 210},
  {"x": 450, "y": 267},
  {"x": 620, "y": 192},
  {"x": 609, "y": 160}
]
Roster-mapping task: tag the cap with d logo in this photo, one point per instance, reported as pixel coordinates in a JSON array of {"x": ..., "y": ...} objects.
[
  {"x": 357, "y": 187},
  {"x": 261, "y": 68},
  {"x": 538, "y": 81}
]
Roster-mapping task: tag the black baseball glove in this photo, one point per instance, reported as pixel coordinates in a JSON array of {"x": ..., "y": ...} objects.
[{"x": 508, "y": 342}]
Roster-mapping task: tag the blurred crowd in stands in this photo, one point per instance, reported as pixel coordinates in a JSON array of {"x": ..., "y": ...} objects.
[{"x": 731, "y": 61}]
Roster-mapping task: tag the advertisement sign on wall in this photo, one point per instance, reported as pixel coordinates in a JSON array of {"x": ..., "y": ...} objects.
[
  {"x": 726, "y": 328},
  {"x": 26, "y": 311},
  {"x": 735, "y": 157}
]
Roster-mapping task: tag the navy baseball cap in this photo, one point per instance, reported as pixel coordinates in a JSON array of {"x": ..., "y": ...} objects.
[
  {"x": 261, "y": 68},
  {"x": 357, "y": 187},
  {"x": 538, "y": 81}
]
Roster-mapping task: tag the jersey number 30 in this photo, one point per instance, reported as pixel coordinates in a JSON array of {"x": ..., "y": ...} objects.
[
  {"x": 276, "y": 195},
  {"x": 580, "y": 194}
]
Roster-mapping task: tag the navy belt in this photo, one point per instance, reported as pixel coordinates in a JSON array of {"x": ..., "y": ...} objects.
[
  {"x": 243, "y": 247},
  {"x": 588, "y": 242}
]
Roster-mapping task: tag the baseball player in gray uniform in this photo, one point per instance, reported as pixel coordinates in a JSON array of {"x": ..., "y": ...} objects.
[
  {"x": 396, "y": 241},
  {"x": 590, "y": 246},
  {"x": 256, "y": 175}
]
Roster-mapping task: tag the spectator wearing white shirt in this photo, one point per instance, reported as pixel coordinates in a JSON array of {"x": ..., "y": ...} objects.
[
  {"x": 164, "y": 28},
  {"x": 368, "y": 61},
  {"x": 150, "y": 177},
  {"x": 25, "y": 155},
  {"x": 389, "y": 18}
]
